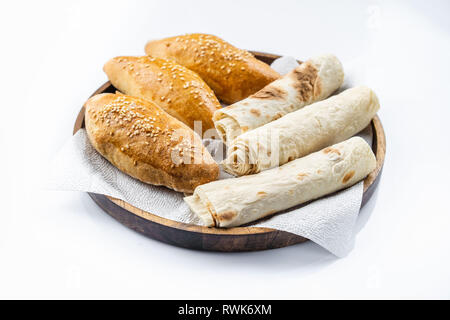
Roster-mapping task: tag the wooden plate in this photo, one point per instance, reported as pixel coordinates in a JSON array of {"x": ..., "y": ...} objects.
[{"x": 215, "y": 239}]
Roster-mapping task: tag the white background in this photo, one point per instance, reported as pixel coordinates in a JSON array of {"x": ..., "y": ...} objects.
[{"x": 61, "y": 245}]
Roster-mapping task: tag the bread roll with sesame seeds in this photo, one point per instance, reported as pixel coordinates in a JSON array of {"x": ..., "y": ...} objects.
[
  {"x": 232, "y": 73},
  {"x": 313, "y": 80},
  {"x": 145, "y": 142},
  {"x": 176, "y": 89}
]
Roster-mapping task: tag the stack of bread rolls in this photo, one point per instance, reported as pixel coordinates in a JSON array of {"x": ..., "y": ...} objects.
[{"x": 286, "y": 137}]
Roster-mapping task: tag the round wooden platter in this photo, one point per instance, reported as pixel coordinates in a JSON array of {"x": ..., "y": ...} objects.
[{"x": 215, "y": 239}]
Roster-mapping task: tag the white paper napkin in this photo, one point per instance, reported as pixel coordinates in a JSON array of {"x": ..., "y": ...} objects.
[{"x": 329, "y": 221}]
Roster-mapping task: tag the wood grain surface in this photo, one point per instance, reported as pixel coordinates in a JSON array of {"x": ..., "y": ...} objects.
[{"x": 216, "y": 239}]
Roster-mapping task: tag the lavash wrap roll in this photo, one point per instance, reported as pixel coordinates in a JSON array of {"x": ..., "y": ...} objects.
[
  {"x": 299, "y": 133},
  {"x": 313, "y": 80},
  {"x": 236, "y": 201}
]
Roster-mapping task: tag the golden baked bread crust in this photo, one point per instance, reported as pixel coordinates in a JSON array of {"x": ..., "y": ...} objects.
[
  {"x": 178, "y": 90},
  {"x": 232, "y": 73},
  {"x": 140, "y": 139}
]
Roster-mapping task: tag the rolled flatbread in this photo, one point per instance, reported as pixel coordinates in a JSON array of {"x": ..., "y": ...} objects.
[
  {"x": 311, "y": 81},
  {"x": 299, "y": 133},
  {"x": 233, "y": 202}
]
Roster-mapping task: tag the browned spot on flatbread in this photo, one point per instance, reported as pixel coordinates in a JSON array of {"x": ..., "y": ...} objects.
[
  {"x": 255, "y": 112},
  {"x": 301, "y": 176},
  {"x": 244, "y": 128},
  {"x": 211, "y": 211},
  {"x": 331, "y": 150},
  {"x": 306, "y": 82},
  {"x": 319, "y": 171},
  {"x": 270, "y": 92},
  {"x": 228, "y": 215},
  {"x": 209, "y": 207},
  {"x": 261, "y": 193},
  {"x": 277, "y": 116},
  {"x": 348, "y": 176}
]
